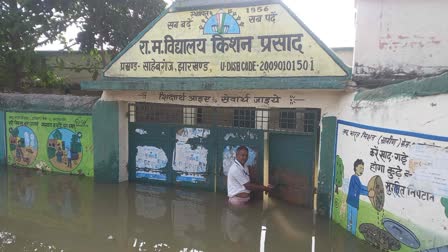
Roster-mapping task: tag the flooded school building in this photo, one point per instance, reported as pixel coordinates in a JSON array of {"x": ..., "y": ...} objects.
[{"x": 366, "y": 146}]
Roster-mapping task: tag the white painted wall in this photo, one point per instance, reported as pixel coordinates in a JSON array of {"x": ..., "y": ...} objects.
[
  {"x": 424, "y": 115},
  {"x": 123, "y": 138},
  {"x": 428, "y": 115},
  {"x": 345, "y": 54},
  {"x": 401, "y": 37},
  {"x": 322, "y": 99}
]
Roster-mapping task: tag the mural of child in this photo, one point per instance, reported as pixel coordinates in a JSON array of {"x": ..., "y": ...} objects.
[
  {"x": 69, "y": 157},
  {"x": 356, "y": 188},
  {"x": 19, "y": 152},
  {"x": 59, "y": 155}
]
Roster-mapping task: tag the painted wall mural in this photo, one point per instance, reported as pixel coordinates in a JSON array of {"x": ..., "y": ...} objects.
[
  {"x": 253, "y": 41},
  {"x": 391, "y": 187},
  {"x": 51, "y": 142},
  {"x": 190, "y": 155}
]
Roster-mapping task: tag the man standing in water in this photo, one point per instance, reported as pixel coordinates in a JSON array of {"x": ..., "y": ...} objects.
[
  {"x": 356, "y": 188},
  {"x": 238, "y": 180}
]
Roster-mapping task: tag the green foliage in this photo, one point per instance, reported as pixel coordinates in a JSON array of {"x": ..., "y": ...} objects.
[
  {"x": 14, "y": 132},
  {"x": 75, "y": 145},
  {"x": 24, "y": 26},
  {"x": 27, "y": 24},
  {"x": 114, "y": 22},
  {"x": 339, "y": 171},
  {"x": 45, "y": 79},
  {"x": 92, "y": 62}
]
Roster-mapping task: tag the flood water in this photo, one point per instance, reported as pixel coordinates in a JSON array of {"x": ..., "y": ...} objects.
[{"x": 41, "y": 212}]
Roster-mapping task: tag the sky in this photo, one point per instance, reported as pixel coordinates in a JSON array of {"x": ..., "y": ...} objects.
[{"x": 333, "y": 21}]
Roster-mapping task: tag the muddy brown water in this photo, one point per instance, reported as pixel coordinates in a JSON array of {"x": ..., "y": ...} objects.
[{"x": 48, "y": 212}]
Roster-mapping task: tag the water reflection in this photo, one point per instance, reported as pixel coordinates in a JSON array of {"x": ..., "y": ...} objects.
[
  {"x": 69, "y": 213},
  {"x": 63, "y": 196},
  {"x": 23, "y": 189}
]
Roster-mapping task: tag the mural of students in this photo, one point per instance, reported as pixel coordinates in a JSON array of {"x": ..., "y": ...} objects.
[
  {"x": 64, "y": 149},
  {"x": 59, "y": 155},
  {"x": 19, "y": 154},
  {"x": 356, "y": 188},
  {"x": 22, "y": 145}
]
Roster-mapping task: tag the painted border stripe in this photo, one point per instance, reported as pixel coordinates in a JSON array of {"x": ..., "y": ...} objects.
[{"x": 393, "y": 131}]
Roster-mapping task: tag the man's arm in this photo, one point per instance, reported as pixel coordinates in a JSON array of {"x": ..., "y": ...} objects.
[
  {"x": 363, "y": 190},
  {"x": 255, "y": 187}
]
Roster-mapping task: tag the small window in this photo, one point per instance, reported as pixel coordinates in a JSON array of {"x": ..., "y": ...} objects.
[
  {"x": 296, "y": 120},
  {"x": 288, "y": 120},
  {"x": 131, "y": 112},
  {"x": 309, "y": 122},
  {"x": 199, "y": 116},
  {"x": 159, "y": 113},
  {"x": 244, "y": 118}
]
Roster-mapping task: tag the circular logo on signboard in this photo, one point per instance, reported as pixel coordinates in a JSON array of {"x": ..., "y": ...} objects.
[{"x": 221, "y": 23}]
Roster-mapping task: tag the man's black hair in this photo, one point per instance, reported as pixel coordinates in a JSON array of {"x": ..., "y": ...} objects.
[
  {"x": 242, "y": 147},
  {"x": 357, "y": 162}
]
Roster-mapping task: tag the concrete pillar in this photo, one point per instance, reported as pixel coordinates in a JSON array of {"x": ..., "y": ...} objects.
[
  {"x": 123, "y": 137},
  {"x": 327, "y": 157},
  {"x": 106, "y": 141}
]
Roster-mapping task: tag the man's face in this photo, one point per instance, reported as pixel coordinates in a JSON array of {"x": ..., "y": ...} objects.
[
  {"x": 359, "y": 170},
  {"x": 242, "y": 156}
]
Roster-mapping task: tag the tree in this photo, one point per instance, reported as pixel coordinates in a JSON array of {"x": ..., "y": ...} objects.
[
  {"x": 339, "y": 172},
  {"x": 24, "y": 26},
  {"x": 27, "y": 24},
  {"x": 109, "y": 25},
  {"x": 75, "y": 145},
  {"x": 112, "y": 24},
  {"x": 14, "y": 132}
]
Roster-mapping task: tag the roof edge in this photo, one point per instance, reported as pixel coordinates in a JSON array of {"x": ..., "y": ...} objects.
[
  {"x": 202, "y": 84},
  {"x": 418, "y": 87}
]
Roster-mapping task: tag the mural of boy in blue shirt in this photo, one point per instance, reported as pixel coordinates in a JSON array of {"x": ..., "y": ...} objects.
[{"x": 356, "y": 188}]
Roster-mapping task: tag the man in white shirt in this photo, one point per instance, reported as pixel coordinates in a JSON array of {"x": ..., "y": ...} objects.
[{"x": 238, "y": 180}]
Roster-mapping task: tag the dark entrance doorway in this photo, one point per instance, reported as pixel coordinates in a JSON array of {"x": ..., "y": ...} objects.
[{"x": 194, "y": 147}]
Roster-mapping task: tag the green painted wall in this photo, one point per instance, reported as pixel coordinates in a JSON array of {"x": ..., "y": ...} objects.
[
  {"x": 105, "y": 137},
  {"x": 2, "y": 139},
  {"x": 327, "y": 157},
  {"x": 51, "y": 142}
]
